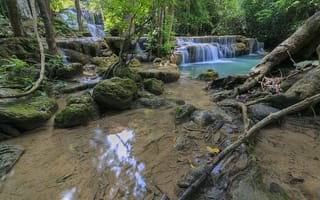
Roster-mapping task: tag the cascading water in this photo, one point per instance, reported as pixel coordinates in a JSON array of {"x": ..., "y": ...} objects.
[
  {"x": 260, "y": 47},
  {"x": 205, "y": 49},
  {"x": 251, "y": 42},
  {"x": 92, "y": 21}
]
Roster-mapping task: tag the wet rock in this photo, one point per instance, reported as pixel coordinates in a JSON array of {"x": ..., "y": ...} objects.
[
  {"x": 250, "y": 187},
  {"x": 153, "y": 102},
  {"x": 68, "y": 71},
  {"x": 192, "y": 176},
  {"x": 7, "y": 131},
  {"x": 260, "y": 111},
  {"x": 115, "y": 93},
  {"x": 153, "y": 85},
  {"x": 218, "y": 96},
  {"x": 75, "y": 56},
  {"x": 208, "y": 75},
  {"x": 206, "y": 117},
  {"x": 134, "y": 63},
  {"x": 183, "y": 112},
  {"x": 27, "y": 114},
  {"x": 126, "y": 72},
  {"x": 79, "y": 110},
  {"x": 182, "y": 142},
  {"x": 9, "y": 154},
  {"x": 165, "y": 74}
]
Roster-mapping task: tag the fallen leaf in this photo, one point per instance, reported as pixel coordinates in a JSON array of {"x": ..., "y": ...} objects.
[{"x": 213, "y": 150}]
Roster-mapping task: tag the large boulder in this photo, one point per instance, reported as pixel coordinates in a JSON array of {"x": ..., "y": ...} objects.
[
  {"x": 27, "y": 114},
  {"x": 79, "y": 110},
  {"x": 115, "y": 93},
  {"x": 165, "y": 74},
  {"x": 206, "y": 117},
  {"x": 153, "y": 85},
  {"x": 260, "y": 111}
]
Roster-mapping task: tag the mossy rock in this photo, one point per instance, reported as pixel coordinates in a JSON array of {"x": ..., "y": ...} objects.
[
  {"x": 153, "y": 85},
  {"x": 79, "y": 110},
  {"x": 23, "y": 48},
  {"x": 134, "y": 63},
  {"x": 125, "y": 72},
  {"x": 116, "y": 93},
  {"x": 183, "y": 112},
  {"x": 167, "y": 75},
  {"x": 208, "y": 75},
  {"x": 69, "y": 71},
  {"x": 104, "y": 63},
  {"x": 28, "y": 114}
]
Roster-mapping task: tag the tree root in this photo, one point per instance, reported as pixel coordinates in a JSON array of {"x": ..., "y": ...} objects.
[
  {"x": 248, "y": 134},
  {"x": 42, "y": 71}
]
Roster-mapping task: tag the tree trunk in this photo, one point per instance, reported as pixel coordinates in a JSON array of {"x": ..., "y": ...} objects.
[
  {"x": 44, "y": 6},
  {"x": 291, "y": 47},
  {"x": 15, "y": 18},
  {"x": 78, "y": 9}
]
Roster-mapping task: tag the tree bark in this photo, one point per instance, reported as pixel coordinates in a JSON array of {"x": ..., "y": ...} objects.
[
  {"x": 78, "y": 9},
  {"x": 292, "y": 46},
  {"x": 15, "y": 18},
  {"x": 44, "y": 6}
]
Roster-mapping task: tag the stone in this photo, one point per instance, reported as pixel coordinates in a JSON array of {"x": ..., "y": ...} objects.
[
  {"x": 208, "y": 75},
  {"x": 153, "y": 102},
  {"x": 182, "y": 142},
  {"x": 183, "y": 112},
  {"x": 134, "y": 63},
  {"x": 80, "y": 109},
  {"x": 206, "y": 117},
  {"x": 165, "y": 74},
  {"x": 260, "y": 111},
  {"x": 8, "y": 131},
  {"x": 69, "y": 71},
  {"x": 28, "y": 114},
  {"x": 153, "y": 85},
  {"x": 126, "y": 72},
  {"x": 116, "y": 93},
  {"x": 9, "y": 155}
]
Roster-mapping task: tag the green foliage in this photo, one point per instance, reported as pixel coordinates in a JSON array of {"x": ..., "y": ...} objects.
[{"x": 58, "y": 5}]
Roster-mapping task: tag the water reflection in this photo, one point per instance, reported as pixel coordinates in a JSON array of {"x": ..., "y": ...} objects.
[
  {"x": 115, "y": 157},
  {"x": 69, "y": 195}
]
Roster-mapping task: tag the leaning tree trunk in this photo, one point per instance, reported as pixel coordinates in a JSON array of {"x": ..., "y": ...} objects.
[
  {"x": 307, "y": 34},
  {"x": 15, "y": 18},
  {"x": 44, "y": 6},
  {"x": 78, "y": 9}
]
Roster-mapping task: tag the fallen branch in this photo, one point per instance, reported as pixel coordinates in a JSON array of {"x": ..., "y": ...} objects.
[
  {"x": 42, "y": 71},
  {"x": 250, "y": 133}
]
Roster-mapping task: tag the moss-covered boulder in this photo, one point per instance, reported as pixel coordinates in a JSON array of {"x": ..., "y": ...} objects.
[
  {"x": 208, "y": 75},
  {"x": 69, "y": 71},
  {"x": 126, "y": 72},
  {"x": 79, "y": 110},
  {"x": 28, "y": 114},
  {"x": 134, "y": 63},
  {"x": 165, "y": 74},
  {"x": 116, "y": 93},
  {"x": 153, "y": 85},
  {"x": 104, "y": 63}
]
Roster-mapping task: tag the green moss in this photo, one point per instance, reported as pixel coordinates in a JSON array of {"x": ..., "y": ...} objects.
[
  {"x": 79, "y": 110},
  {"x": 69, "y": 71},
  {"x": 134, "y": 63},
  {"x": 153, "y": 85},
  {"x": 208, "y": 75},
  {"x": 116, "y": 93},
  {"x": 28, "y": 114},
  {"x": 125, "y": 72}
]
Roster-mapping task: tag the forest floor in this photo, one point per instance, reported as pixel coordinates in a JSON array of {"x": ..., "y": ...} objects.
[{"x": 73, "y": 163}]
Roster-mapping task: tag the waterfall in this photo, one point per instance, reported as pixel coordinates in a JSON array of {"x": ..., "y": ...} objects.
[
  {"x": 93, "y": 22},
  {"x": 138, "y": 48},
  {"x": 260, "y": 47},
  {"x": 251, "y": 42},
  {"x": 24, "y": 9},
  {"x": 205, "y": 49}
]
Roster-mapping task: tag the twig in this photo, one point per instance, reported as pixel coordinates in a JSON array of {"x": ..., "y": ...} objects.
[
  {"x": 247, "y": 134},
  {"x": 294, "y": 62}
]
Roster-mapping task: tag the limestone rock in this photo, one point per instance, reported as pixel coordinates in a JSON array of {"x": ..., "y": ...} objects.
[
  {"x": 260, "y": 111},
  {"x": 28, "y": 114},
  {"x": 205, "y": 117},
  {"x": 183, "y": 112},
  {"x": 79, "y": 110},
  {"x": 208, "y": 75},
  {"x": 153, "y": 85},
  {"x": 115, "y": 93}
]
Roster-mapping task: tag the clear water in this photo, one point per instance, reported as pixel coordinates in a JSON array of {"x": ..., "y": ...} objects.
[{"x": 224, "y": 67}]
